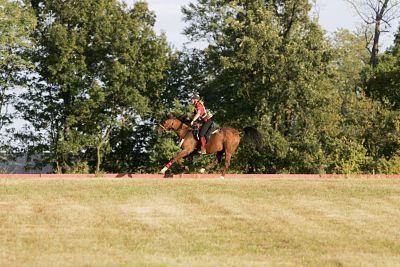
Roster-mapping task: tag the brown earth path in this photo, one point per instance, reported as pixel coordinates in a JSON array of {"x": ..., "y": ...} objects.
[{"x": 201, "y": 176}]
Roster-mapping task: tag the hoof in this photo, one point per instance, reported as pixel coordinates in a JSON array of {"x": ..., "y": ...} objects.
[
  {"x": 170, "y": 175},
  {"x": 202, "y": 170}
]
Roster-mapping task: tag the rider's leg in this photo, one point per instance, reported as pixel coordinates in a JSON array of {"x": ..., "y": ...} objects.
[
  {"x": 202, "y": 134},
  {"x": 203, "y": 143}
]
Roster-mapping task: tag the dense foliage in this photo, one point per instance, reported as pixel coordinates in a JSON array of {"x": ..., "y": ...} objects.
[
  {"x": 103, "y": 79},
  {"x": 99, "y": 70},
  {"x": 16, "y": 23}
]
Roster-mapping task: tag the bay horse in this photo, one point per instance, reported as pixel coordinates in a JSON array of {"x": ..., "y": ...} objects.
[{"x": 225, "y": 140}]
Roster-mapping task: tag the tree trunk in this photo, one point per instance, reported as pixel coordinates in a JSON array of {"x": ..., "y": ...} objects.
[
  {"x": 373, "y": 62},
  {"x": 99, "y": 147},
  {"x": 377, "y": 33}
]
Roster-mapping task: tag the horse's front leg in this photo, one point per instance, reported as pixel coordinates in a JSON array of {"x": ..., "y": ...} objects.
[
  {"x": 183, "y": 167},
  {"x": 179, "y": 156}
]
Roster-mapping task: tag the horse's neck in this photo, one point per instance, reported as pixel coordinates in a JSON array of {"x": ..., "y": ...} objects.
[{"x": 182, "y": 130}]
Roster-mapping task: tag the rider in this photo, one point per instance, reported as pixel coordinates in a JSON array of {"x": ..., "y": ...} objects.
[{"x": 205, "y": 117}]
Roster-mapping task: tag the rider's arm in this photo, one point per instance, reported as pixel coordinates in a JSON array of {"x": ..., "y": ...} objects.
[{"x": 196, "y": 117}]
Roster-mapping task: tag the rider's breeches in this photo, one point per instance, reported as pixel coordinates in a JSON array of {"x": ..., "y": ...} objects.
[{"x": 205, "y": 128}]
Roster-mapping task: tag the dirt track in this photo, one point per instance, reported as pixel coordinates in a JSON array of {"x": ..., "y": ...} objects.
[{"x": 202, "y": 176}]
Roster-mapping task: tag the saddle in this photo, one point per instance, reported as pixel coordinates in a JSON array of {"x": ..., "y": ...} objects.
[{"x": 213, "y": 128}]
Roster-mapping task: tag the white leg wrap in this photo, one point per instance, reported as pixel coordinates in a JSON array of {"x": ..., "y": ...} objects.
[
  {"x": 202, "y": 170},
  {"x": 164, "y": 170},
  {"x": 221, "y": 177}
]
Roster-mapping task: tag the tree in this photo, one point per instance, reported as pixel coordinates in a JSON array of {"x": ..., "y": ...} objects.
[
  {"x": 16, "y": 24},
  {"x": 379, "y": 14},
  {"x": 268, "y": 65},
  {"x": 100, "y": 70},
  {"x": 383, "y": 82},
  {"x": 187, "y": 75},
  {"x": 368, "y": 138},
  {"x": 349, "y": 60}
]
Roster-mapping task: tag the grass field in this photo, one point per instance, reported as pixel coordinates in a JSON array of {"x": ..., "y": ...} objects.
[{"x": 172, "y": 222}]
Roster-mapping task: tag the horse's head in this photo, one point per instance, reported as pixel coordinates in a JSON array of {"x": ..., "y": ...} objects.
[{"x": 169, "y": 123}]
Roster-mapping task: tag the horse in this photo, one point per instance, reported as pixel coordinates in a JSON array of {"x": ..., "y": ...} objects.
[{"x": 225, "y": 140}]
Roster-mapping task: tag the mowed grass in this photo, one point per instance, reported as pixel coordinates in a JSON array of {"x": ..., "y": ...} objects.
[{"x": 172, "y": 222}]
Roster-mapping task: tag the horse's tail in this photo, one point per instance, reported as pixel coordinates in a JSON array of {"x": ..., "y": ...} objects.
[{"x": 254, "y": 136}]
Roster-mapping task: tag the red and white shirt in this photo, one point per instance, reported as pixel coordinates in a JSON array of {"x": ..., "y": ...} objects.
[{"x": 200, "y": 107}]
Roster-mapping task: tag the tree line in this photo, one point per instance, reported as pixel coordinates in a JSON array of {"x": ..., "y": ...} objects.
[{"x": 88, "y": 81}]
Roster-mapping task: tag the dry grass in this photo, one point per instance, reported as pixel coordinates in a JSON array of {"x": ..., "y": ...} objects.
[{"x": 98, "y": 222}]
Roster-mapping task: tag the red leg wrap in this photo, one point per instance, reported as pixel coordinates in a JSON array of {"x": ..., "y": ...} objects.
[{"x": 169, "y": 164}]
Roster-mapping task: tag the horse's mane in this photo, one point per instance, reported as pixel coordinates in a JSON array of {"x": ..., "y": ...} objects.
[{"x": 183, "y": 118}]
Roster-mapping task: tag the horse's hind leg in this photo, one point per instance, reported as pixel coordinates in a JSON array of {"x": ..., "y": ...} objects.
[
  {"x": 227, "y": 164},
  {"x": 230, "y": 147},
  {"x": 214, "y": 163}
]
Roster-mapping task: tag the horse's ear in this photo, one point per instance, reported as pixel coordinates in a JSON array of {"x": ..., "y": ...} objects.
[{"x": 169, "y": 115}]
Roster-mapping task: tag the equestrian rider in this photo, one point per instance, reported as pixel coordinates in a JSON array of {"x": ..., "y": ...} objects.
[{"x": 201, "y": 113}]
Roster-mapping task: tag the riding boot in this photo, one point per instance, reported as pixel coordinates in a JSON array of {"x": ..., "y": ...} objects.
[{"x": 203, "y": 143}]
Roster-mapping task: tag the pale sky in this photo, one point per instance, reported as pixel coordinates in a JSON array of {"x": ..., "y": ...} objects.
[{"x": 333, "y": 15}]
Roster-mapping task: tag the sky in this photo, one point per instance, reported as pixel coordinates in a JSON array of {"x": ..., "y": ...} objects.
[{"x": 333, "y": 15}]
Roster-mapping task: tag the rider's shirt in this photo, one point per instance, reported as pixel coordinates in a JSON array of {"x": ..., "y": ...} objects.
[{"x": 203, "y": 114}]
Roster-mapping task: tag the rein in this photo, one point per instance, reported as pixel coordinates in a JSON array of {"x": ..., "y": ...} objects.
[{"x": 180, "y": 127}]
